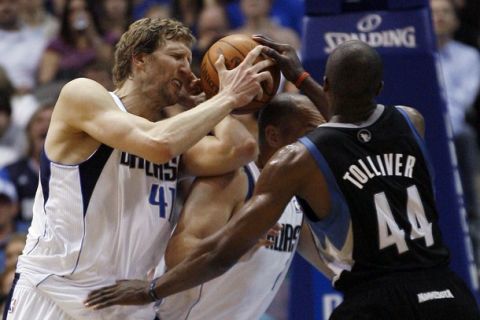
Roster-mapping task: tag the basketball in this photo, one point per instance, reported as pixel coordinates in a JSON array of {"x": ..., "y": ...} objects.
[{"x": 234, "y": 48}]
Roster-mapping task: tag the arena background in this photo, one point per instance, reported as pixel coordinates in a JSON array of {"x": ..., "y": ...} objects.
[{"x": 401, "y": 30}]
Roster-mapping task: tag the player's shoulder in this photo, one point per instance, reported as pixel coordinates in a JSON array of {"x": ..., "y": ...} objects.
[
  {"x": 415, "y": 117},
  {"x": 82, "y": 84},
  {"x": 82, "y": 93},
  {"x": 291, "y": 158}
]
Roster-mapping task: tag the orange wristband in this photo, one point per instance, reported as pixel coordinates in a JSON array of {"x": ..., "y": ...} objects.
[{"x": 304, "y": 75}]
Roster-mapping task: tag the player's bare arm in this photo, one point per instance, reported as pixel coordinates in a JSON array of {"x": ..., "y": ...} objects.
[
  {"x": 280, "y": 179},
  {"x": 230, "y": 147},
  {"x": 93, "y": 119},
  {"x": 208, "y": 208},
  {"x": 286, "y": 57},
  {"x": 416, "y": 118}
]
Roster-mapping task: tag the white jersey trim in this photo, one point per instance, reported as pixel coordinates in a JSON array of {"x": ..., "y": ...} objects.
[{"x": 371, "y": 120}]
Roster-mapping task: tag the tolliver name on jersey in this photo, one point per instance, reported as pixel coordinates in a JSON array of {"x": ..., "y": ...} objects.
[{"x": 387, "y": 164}]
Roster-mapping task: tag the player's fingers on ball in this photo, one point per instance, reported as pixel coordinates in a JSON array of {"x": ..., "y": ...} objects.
[
  {"x": 263, "y": 64},
  {"x": 270, "y": 43},
  {"x": 259, "y": 95},
  {"x": 196, "y": 86},
  {"x": 274, "y": 54},
  {"x": 252, "y": 55},
  {"x": 266, "y": 78},
  {"x": 264, "y": 40},
  {"x": 220, "y": 63}
]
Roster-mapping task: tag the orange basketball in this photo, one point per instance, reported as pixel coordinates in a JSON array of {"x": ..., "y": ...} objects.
[{"x": 234, "y": 48}]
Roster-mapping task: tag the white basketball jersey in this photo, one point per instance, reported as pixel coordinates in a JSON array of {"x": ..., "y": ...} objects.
[
  {"x": 105, "y": 219},
  {"x": 247, "y": 289}
]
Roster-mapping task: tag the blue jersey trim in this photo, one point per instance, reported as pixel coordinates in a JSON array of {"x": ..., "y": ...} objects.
[
  {"x": 421, "y": 144},
  {"x": 45, "y": 174},
  {"x": 8, "y": 300},
  {"x": 251, "y": 182},
  {"x": 90, "y": 171},
  {"x": 337, "y": 222}
]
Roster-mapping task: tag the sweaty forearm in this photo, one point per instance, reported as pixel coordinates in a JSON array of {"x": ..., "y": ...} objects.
[
  {"x": 184, "y": 130},
  {"x": 237, "y": 144},
  {"x": 199, "y": 267}
]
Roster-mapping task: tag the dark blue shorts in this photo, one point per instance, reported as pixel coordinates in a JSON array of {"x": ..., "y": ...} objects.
[{"x": 423, "y": 295}]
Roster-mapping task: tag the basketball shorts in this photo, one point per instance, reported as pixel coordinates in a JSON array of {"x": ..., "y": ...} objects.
[
  {"x": 25, "y": 301},
  {"x": 423, "y": 295}
]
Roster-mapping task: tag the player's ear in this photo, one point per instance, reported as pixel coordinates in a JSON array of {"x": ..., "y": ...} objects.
[
  {"x": 272, "y": 136},
  {"x": 326, "y": 84},
  {"x": 380, "y": 88},
  {"x": 138, "y": 60}
]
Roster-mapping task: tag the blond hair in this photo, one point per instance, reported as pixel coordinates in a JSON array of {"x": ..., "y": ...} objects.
[{"x": 145, "y": 36}]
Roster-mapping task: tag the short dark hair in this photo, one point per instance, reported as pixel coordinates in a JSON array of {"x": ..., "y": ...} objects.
[
  {"x": 354, "y": 70},
  {"x": 5, "y": 105},
  {"x": 282, "y": 110}
]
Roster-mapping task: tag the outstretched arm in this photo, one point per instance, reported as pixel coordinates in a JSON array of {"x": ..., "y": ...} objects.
[
  {"x": 209, "y": 206},
  {"x": 229, "y": 148},
  {"x": 286, "y": 57},
  {"x": 82, "y": 121},
  {"x": 278, "y": 182}
]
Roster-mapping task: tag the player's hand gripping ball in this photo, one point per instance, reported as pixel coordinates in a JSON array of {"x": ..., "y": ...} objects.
[{"x": 234, "y": 48}]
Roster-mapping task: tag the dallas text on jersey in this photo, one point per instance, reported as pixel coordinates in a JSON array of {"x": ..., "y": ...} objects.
[{"x": 163, "y": 172}]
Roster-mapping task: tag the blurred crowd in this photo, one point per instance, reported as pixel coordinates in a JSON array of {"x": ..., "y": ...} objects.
[{"x": 46, "y": 43}]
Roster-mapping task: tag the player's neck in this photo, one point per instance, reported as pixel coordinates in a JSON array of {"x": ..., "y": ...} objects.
[
  {"x": 135, "y": 102},
  {"x": 353, "y": 113},
  {"x": 442, "y": 41},
  {"x": 263, "y": 157}
]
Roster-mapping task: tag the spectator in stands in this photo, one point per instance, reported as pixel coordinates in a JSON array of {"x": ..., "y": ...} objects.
[
  {"x": 258, "y": 21},
  {"x": 55, "y": 7},
  {"x": 99, "y": 72},
  {"x": 20, "y": 48},
  {"x": 187, "y": 11},
  {"x": 212, "y": 25},
  {"x": 8, "y": 211},
  {"x": 14, "y": 249},
  {"x": 35, "y": 16},
  {"x": 78, "y": 44},
  {"x": 267, "y": 17},
  {"x": 469, "y": 16},
  {"x": 116, "y": 17},
  {"x": 12, "y": 136},
  {"x": 141, "y": 7},
  {"x": 460, "y": 65},
  {"x": 6, "y": 280},
  {"x": 23, "y": 174},
  {"x": 159, "y": 10}
]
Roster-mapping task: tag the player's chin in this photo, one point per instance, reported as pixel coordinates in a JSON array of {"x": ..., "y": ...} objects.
[{"x": 171, "y": 97}]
